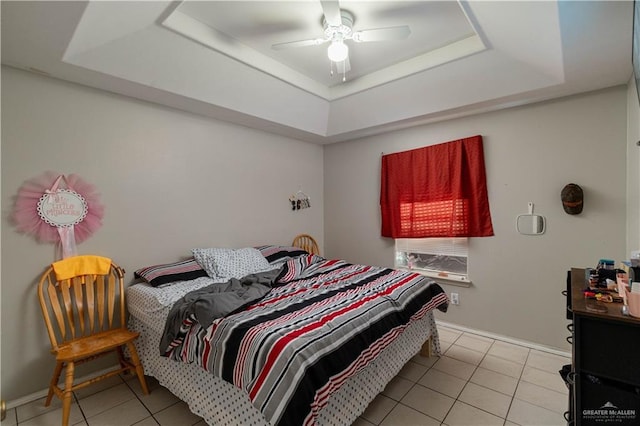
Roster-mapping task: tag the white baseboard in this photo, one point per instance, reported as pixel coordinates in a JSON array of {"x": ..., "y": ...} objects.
[
  {"x": 26, "y": 399},
  {"x": 506, "y": 339},
  {"x": 43, "y": 393}
]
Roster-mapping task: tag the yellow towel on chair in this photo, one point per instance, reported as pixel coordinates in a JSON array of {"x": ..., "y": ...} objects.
[{"x": 81, "y": 265}]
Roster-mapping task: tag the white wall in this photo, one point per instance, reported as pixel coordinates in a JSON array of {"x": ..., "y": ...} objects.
[
  {"x": 633, "y": 168},
  {"x": 531, "y": 153},
  {"x": 170, "y": 181}
]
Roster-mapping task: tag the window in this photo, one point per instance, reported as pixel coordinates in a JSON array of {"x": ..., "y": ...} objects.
[
  {"x": 431, "y": 200},
  {"x": 444, "y": 258}
]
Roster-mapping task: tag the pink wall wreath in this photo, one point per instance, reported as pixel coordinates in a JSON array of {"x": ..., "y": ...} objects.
[{"x": 30, "y": 218}]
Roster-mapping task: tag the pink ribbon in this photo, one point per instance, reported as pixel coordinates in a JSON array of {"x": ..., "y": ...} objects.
[
  {"x": 54, "y": 188},
  {"x": 67, "y": 241},
  {"x": 67, "y": 233}
]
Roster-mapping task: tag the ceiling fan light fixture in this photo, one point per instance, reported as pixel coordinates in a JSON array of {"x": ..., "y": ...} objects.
[{"x": 338, "y": 51}]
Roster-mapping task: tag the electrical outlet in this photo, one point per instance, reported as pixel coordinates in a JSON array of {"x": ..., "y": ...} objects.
[{"x": 455, "y": 299}]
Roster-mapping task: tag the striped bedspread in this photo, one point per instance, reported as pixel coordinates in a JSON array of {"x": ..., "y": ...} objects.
[{"x": 322, "y": 321}]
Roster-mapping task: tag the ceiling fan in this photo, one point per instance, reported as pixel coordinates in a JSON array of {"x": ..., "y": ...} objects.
[{"x": 338, "y": 28}]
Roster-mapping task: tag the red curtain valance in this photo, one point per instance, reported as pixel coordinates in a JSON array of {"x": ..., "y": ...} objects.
[{"x": 436, "y": 191}]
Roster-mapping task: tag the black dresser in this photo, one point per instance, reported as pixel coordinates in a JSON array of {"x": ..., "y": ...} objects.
[{"x": 604, "y": 377}]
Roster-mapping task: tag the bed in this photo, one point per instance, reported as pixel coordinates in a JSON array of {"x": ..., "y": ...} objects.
[{"x": 315, "y": 348}]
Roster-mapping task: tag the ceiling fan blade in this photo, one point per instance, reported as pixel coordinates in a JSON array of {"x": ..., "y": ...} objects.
[
  {"x": 331, "y": 9},
  {"x": 382, "y": 34},
  {"x": 299, "y": 43}
]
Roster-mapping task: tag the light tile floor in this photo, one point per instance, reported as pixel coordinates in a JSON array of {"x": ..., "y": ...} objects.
[{"x": 477, "y": 381}]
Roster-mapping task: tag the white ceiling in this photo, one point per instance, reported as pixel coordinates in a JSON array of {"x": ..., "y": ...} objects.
[
  {"x": 440, "y": 32},
  {"x": 215, "y": 58}
]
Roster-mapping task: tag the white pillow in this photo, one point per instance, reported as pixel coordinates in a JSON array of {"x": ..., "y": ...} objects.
[
  {"x": 206, "y": 258},
  {"x": 228, "y": 263}
]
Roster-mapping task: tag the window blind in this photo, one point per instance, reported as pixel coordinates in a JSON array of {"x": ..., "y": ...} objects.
[{"x": 442, "y": 246}]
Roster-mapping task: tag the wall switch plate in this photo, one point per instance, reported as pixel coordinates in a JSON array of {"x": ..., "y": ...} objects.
[{"x": 455, "y": 299}]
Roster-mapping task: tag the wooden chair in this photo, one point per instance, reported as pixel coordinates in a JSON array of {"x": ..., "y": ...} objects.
[
  {"x": 306, "y": 242},
  {"x": 82, "y": 301}
]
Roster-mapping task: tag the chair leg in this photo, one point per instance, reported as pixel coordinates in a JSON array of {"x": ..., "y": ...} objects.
[
  {"x": 67, "y": 393},
  {"x": 54, "y": 382},
  {"x": 121, "y": 358},
  {"x": 139, "y": 370}
]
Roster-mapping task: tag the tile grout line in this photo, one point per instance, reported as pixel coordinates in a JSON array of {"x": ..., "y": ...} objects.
[
  {"x": 469, "y": 381},
  {"x": 417, "y": 384},
  {"x": 519, "y": 378},
  {"x": 126, "y": 382},
  {"x": 77, "y": 400},
  {"x": 517, "y": 386},
  {"x": 465, "y": 385}
]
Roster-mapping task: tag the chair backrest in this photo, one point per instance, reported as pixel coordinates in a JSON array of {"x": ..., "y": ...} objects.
[
  {"x": 82, "y": 305},
  {"x": 306, "y": 242}
]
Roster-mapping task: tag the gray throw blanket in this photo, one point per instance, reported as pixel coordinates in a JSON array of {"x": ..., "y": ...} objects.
[{"x": 216, "y": 301}]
